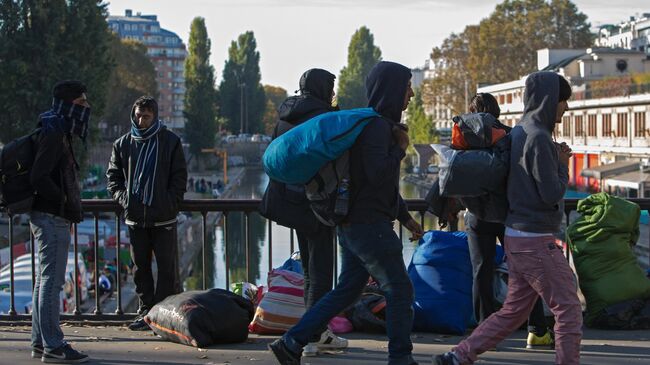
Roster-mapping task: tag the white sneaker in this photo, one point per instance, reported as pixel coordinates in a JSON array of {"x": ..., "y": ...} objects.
[{"x": 328, "y": 341}]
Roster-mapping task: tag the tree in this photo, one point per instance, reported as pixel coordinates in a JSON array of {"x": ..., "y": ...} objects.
[
  {"x": 275, "y": 95},
  {"x": 243, "y": 101},
  {"x": 44, "y": 41},
  {"x": 420, "y": 125},
  {"x": 362, "y": 56},
  {"x": 503, "y": 47},
  {"x": 133, "y": 76},
  {"x": 200, "y": 95}
]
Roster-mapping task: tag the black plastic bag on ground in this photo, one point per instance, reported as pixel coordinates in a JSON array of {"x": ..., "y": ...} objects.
[
  {"x": 628, "y": 315},
  {"x": 369, "y": 313},
  {"x": 202, "y": 318}
]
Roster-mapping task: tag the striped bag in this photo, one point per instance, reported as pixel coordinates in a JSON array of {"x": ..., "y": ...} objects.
[{"x": 282, "y": 306}]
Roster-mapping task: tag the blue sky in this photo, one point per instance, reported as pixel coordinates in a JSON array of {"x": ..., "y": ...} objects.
[{"x": 293, "y": 36}]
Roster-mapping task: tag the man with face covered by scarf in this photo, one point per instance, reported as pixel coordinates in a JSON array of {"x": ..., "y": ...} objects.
[
  {"x": 147, "y": 176},
  {"x": 368, "y": 243},
  {"x": 57, "y": 204}
]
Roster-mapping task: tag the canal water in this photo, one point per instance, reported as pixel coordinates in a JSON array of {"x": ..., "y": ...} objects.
[{"x": 252, "y": 186}]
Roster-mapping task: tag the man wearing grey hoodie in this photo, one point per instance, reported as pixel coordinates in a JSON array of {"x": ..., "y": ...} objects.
[{"x": 536, "y": 185}]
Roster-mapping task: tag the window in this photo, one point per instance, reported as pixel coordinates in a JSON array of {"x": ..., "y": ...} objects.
[
  {"x": 509, "y": 98},
  {"x": 566, "y": 126},
  {"x": 501, "y": 99},
  {"x": 592, "y": 130},
  {"x": 607, "y": 125},
  {"x": 578, "y": 126},
  {"x": 639, "y": 124},
  {"x": 621, "y": 125}
]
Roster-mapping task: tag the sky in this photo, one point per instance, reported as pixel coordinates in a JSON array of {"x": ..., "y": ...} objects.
[{"x": 295, "y": 35}]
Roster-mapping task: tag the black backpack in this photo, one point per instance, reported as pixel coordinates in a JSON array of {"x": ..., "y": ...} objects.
[
  {"x": 329, "y": 191},
  {"x": 16, "y": 159}
]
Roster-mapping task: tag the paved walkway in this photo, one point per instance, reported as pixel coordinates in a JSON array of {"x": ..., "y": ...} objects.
[{"x": 118, "y": 345}]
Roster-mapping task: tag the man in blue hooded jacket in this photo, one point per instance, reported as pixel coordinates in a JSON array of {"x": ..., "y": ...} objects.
[{"x": 369, "y": 245}]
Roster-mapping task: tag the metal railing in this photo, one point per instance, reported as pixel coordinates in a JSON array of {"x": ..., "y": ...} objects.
[{"x": 95, "y": 207}]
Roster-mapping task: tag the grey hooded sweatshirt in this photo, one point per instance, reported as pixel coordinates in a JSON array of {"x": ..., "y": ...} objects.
[{"x": 537, "y": 180}]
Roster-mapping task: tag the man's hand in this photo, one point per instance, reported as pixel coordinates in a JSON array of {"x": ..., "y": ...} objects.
[
  {"x": 564, "y": 152},
  {"x": 401, "y": 137},
  {"x": 415, "y": 228}
]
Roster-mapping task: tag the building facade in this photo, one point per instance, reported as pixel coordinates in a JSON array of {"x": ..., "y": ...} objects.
[
  {"x": 600, "y": 130},
  {"x": 633, "y": 34},
  {"x": 167, "y": 52}
]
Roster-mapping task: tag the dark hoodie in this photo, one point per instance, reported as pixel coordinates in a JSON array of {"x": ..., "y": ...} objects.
[
  {"x": 375, "y": 157},
  {"x": 316, "y": 87},
  {"x": 537, "y": 180}
]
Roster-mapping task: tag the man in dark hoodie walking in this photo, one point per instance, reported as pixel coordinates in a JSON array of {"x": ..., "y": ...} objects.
[
  {"x": 536, "y": 185},
  {"x": 57, "y": 204},
  {"x": 147, "y": 176},
  {"x": 315, "y": 240},
  {"x": 369, "y": 245}
]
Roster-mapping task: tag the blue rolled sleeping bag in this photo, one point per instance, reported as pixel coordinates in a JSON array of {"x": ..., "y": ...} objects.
[
  {"x": 296, "y": 156},
  {"x": 441, "y": 272}
]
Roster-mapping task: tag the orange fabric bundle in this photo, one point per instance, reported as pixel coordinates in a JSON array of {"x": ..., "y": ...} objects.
[{"x": 458, "y": 140}]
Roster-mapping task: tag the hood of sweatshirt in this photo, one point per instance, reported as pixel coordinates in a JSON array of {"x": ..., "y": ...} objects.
[
  {"x": 318, "y": 83},
  {"x": 386, "y": 88},
  {"x": 316, "y": 88},
  {"x": 541, "y": 100}
]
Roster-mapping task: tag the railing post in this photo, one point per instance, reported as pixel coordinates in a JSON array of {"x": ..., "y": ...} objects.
[
  {"x": 247, "y": 234},
  {"x": 98, "y": 309},
  {"x": 118, "y": 263},
  {"x": 75, "y": 249},
  {"x": 12, "y": 308},
  {"x": 270, "y": 228},
  {"x": 225, "y": 249},
  {"x": 204, "y": 247}
]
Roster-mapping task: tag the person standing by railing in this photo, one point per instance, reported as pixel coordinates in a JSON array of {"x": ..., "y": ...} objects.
[
  {"x": 369, "y": 245},
  {"x": 147, "y": 176},
  {"x": 288, "y": 204},
  {"x": 537, "y": 182},
  {"x": 481, "y": 238},
  {"x": 57, "y": 204}
]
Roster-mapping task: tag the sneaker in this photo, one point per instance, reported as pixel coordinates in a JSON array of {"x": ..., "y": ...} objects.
[
  {"x": 64, "y": 355},
  {"x": 328, "y": 341},
  {"x": 448, "y": 358},
  {"x": 37, "y": 351},
  {"x": 283, "y": 354},
  {"x": 540, "y": 342},
  {"x": 139, "y": 325}
]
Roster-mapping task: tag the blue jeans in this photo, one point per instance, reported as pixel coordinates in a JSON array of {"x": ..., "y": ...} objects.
[
  {"x": 366, "y": 249},
  {"x": 52, "y": 237}
]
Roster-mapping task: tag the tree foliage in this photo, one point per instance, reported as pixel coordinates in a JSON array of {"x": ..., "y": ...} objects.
[
  {"x": 200, "y": 95},
  {"x": 242, "y": 97},
  {"x": 420, "y": 125},
  {"x": 503, "y": 47},
  {"x": 45, "y": 41},
  {"x": 275, "y": 95},
  {"x": 362, "y": 56},
  {"x": 133, "y": 76}
]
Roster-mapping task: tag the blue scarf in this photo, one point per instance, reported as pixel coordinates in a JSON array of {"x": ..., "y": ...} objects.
[
  {"x": 68, "y": 117},
  {"x": 144, "y": 175}
]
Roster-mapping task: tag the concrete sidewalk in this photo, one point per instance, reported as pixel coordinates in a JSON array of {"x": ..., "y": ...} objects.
[{"x": 118, "y": 345}]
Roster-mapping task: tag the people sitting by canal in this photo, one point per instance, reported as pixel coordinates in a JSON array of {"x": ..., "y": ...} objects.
[
  {"x": 369, "y": 245},
  {"x": 57, "y": 204},
  {"x": 315, "y": 240},
  {"x": 481, "y": 238},
  {"x": 537, "y": 182},
  {"x": 147, "y": 176}
]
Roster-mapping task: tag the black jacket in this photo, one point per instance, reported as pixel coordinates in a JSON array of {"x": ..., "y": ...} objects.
[
  {"x": 54, "y": 176},
  {"x": 375, "y": 157},
  {"x": 171, "y": 180},
  {"x": 288, "y": 204}
]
